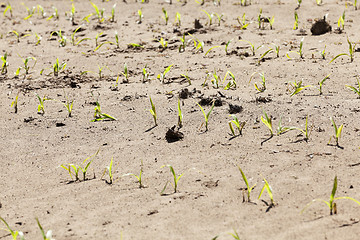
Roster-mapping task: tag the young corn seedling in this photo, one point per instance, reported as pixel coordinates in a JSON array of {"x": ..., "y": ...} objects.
[
  {"x": 109, "y": 169},
  {"x": 300, "y": 52},
  {"x": 248, "y": 188},
  {"x": 55, "y": 14},
  {"x": 19, "y": 36},
  {"x": 68, "y": 104},
  {"x": 282, "y": 129},
  {"x": 198, "y": 45},
  {"x": 8, "y": 9},
  {"x": 238, "y": 125},
  {"x": 337, "y": 131},
  {"x": 41, "y": 11},
  {"x": 13, "y": 233},
  {"x": 163, "y": 44},
  {"x": 261, "y": 88},
  {"x": 140, "y": 15},
  {"x": 242, "y": 22},
  {"x": 296, "y": 23},
  {"x": 211, "y": 49},
  {"x": 252, "y": 46},
  {"x": 99, "y": 13},
  {"x": 161, "y": 76},
  {"x": 48, "y": 235},
  {"x": 145, "y": 74},
  {"x": 15, "y": 102},
  {"x": 341, "y": 22},
  {"x": 297, "y": 87},
  {"x": 186, "y": 76},
  {"x": 259, "y": 18},
  {"x": 125, "y": 74},
  {"x": 176, "y": 179},
  {"x": 350, "y": 54},
  {"x": 183, "y": 44},
  {"x": 227, "y": 46},
  {"x": 232, "y": 82},
  {"x": 235, "y": 235},
  {"x": 321, "y": 83},
  {"x": 180, "y": 115},
  {"x": 166, "y": 16},
  {"x": 112, "y": 18},
  {"x": 74, "y": 169},
  {"x": 306, "y": 131},
  {"x": 38, "y": 39},
  {"x": 41, "y": 108},
  {"x": 99, "y": 115},
  {"x": 76, "y": 41},
  {"x": 26, "y": 65},
  {"x": 62, "y": 39},
  {"x": 153, "y": 112},
  {"x": 267, "y": 122},
  {"x": 262, "y": 57},
  {"x": 271, "y": 21},
  {"x": 354, "y": 89},
  {"x": 331, "y": 203},
  {"x": 178, "y": 19},
  {"x": 210, "y": 17},
  {"x": 5, "y": 64},
  {"x": 323, "y": 53},
  {"x": 206, "y": 115},
  {"x": 138, "y": 177},
  {"x": 270, "y": 193},
  {"x": 219, "y": 17},
  {"x": 56, "y": 68}
]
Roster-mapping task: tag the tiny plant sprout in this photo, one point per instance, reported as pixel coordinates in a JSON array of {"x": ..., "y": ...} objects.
[
  {"x": 318, "y": 2},
  {"x": 300, "y": 52},
  {"x": 5, "y": 64},
  {"x": 331, "y": 203},
  {"x": 109, "y": 169},
  {"x": 206, "y": 115},
  {"x": 99, "y": 13},
  {"x": 282, "y": 129},
  {"x": 219, "y": 17},
  {"x": 180, "y": 115},
  {"x": 267, "y": 122},
  {"x": 117, "y": 39},
  {"x": 210, "y": 16},
  {"x": 68, "y": 104},
  {"x": 277, "y": 50},
  {"x": 145, "y": 74},
  {"x": 56, "y": 68},
  {"x": 55, "y": 14},
  {"x": 125, "y": 73},
  {"x": 14, "y": 103},
  {"x": 166, "y": 16},
  {"x": 270, "y": 50},
  {"x": 48, "y": 235},
  {"x": 76, "y": 41},
  {"x": 297, "y": 87},
  {"x": 271, "y": 22},
  {"x": 238, "y": 125},
  {"x": 227, "y": 46},
  {"x": 178, "y": 19},
  {"x": 252, "y": 46},
  {"x": 248, "y": 188},
  {"x": 232, "y": 82},
  {"x": 176, "y": 179},
  {"x": 26, "y": 63},
  {"x": 321, "y": 83},
  {"x": 269, "y": 191},
  {"x": 259, "y": 18},
  {"x": 153, "y": 111},
  {"x": 261, "y": 88},
  {"x": 341, "y": 22},
  {"x": 242, "y": 22},
  {"x": 337, "y": 131},
  {"x": 350, "y": 54},
  {"x": 74, "y": 169},
  {"x": 296, "y": 23},
  {"x": 235, "y": 235},
  {"x": 323, "y": 53},
  {"x": 183, "y": 44},
  {"x": 41, "y": 109},
  {"x": 140, "y": 15},
  {"x": 306, "y": 131},
  {"x": 207, "y": 52},
  {"x": 8, "y": 9},
  {"x": 354, "y": 89},
  {"x": 163, "y": 44},
  {"x": 99, "y": 115},
  {"x": 62, "y": 38},
  {"x": 138, "y": 177},
  {"x": 13, "y": 233},
  {"x": 186, "y": 76},
  {"x": 161, "y": 76},
  {"x": 112, "y": 18},
  {"x": 38, "y": 39}
]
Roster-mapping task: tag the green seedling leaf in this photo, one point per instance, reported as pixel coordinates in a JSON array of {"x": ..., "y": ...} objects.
[
  {"x": 267, "y": 122},
  {"x": 210, "y": 50},
  {"x": 249, "y": 189},
  {"x": 206, "y": 115}
]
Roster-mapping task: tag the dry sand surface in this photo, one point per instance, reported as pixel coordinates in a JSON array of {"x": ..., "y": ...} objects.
[{"x": 209, "y": 197}]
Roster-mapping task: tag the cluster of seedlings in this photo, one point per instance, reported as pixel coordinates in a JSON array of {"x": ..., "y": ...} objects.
[{"x": 79, "y": 172}]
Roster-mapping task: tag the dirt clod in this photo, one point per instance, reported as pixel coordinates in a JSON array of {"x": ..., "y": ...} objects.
[
  {"x": 173, "y": 135},
  {"x": 235, "y": 108},
  {"x": 320, "y": 27}
]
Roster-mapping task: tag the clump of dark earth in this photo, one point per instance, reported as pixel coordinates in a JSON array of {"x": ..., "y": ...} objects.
[
  {"x": 173, "y": 135},
  {"x": 320, "y": 27},
  {"x": 198, "y": 25},
  {"x": 209, "y": 101},
  {"x": 184, "y": 93},
  {"x": 235, "y": 108}
]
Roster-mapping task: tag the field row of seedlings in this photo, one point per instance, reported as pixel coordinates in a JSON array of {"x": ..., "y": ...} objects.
[{"x": 182, "y": 82}]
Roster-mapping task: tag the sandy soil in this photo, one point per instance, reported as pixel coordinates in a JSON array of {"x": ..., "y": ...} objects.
[{"x": 209, "y": 198}]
